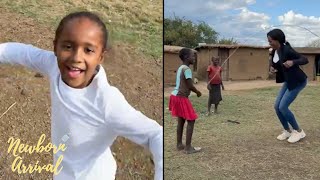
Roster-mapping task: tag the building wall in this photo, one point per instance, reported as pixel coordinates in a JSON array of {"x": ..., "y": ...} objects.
[
  {"x": 171, "y": 64},
  {"x": 204, "y": 59},
  {"x": 223, "y": 55},
  {"x": 249, "y": 64},
  {"x": 309, "y": 68},
  {"x": 244, "y": 64}
]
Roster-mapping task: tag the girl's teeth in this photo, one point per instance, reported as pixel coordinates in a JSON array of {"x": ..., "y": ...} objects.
[{"x": 75, "y": 69}]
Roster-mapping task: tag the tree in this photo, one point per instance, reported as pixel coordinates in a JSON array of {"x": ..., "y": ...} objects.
[
  {"x": 227, "y": 41},
  {"x": 205, "y": 33},
  {"x": 182, "y": 32}
]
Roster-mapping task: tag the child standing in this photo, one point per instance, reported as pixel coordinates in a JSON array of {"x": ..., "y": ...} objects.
[
  {"x": 179, "y": 103},
  {"x": 214, "y": 84},
  {"x": 285, "y": 63},
  {"x": 86, "y": 110}
]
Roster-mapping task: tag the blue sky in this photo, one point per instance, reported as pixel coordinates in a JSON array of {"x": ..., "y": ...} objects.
[{"x": 248, "y": 21}]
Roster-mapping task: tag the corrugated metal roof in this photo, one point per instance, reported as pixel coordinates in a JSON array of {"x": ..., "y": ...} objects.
[
  {"x": 174, "y": 49},
  {"x": 228, "y": 46},
  {"x": 307, "y": 50},
  {"x": 303, "y": 50}
]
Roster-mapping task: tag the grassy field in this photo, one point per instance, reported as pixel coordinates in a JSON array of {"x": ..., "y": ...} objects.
[
  {"x": 135, "y": 22},
  {"x": 248, "y": 150}
]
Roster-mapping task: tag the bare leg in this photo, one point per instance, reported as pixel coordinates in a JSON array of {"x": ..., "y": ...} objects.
[
  {"x": 216, "y": 108},
  {"x": 189, "y": 149},
  {"x": 180, "y": 127},
  {"x": 209, "y": 107}
]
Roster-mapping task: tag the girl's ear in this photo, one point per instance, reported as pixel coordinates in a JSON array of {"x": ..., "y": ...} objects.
[{"x": 103, "y": 55}]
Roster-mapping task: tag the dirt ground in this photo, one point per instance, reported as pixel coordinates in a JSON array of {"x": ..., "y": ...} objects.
[{"x": 138, "y": 78}]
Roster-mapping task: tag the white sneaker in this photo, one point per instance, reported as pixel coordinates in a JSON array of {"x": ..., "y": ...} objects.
[
  {"x": 285, "y": 134},
  {"x": 296, "y": 136}
]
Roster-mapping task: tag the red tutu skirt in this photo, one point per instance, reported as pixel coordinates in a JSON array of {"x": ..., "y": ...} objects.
[{"x": 181, "y": 107}]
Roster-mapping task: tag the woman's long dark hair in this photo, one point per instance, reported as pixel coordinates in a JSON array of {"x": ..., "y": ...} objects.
[{"x": 278, "y": 35}]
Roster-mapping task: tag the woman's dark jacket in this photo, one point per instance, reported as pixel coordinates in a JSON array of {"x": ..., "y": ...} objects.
[{"x": 293, "y": 75}]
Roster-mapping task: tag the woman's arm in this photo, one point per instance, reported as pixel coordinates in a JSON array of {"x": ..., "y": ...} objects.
[{"x": 296, "y": 57}]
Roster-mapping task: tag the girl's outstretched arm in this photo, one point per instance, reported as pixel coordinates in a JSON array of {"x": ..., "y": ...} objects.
[
  {"x": 27, "y": 55},
  {"x": 125, "y": 121}
]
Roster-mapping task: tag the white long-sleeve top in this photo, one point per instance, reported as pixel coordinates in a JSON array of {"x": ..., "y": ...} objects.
[{"x": 88, "y": 120}]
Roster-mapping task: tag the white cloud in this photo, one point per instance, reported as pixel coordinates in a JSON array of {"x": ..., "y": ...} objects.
[
  {"x": 228, "y": 4},
  {"x": 247, "y": 27},
  {"x": 293, "y": 18},
  {"x": 194, "y": 8},
  {"x": 298, "y": 32},
  {"x": 258, "y": 20}
]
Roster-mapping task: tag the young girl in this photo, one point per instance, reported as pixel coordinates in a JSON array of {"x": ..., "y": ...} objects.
[
  {"x": 285, "y": 63},
  {"x": 179, "y": 104},
  {"x": 214, "y": 84},
  {"x": 86, "y": 110}
]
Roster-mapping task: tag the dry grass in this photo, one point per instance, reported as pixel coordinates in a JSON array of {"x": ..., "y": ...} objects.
[
  {"x": 137, "y": 22},
  {"x": 247, "y": 150}
]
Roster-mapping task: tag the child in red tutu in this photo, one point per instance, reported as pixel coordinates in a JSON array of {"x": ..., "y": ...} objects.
[{"x": 179, "y": 103}]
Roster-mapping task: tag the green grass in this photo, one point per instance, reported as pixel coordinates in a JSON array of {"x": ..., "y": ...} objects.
[
  {"x": 248, "y": 150},
  {"x": 138, "y": 23}
]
